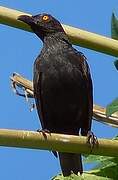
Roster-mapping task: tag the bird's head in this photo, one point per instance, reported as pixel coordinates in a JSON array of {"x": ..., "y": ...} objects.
[{"x": 42, "y": 24}]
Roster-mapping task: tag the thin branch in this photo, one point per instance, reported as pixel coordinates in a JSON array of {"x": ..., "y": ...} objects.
[
  {"x": 77, "y": 36},
  {"x": 98, "y": 111},
  {"x": 20, "y": 81},
  {"x": 56, "y": 142}
]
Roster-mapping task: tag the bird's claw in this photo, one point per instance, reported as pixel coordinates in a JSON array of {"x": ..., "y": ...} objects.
[
  {"x": 44, "y": 132},
  {"x": 92, "y": 140}
]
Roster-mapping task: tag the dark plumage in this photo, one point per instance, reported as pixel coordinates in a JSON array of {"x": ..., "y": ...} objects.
[{"x": 62, "y": 86}]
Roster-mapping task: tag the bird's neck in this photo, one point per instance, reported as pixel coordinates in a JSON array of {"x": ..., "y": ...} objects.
[{"x": 56, "y": 39}]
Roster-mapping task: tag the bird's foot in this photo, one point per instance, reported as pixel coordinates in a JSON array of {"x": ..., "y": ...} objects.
[
  {"x": 44, "y": 132},
  {"x": 92, "y": 140}
]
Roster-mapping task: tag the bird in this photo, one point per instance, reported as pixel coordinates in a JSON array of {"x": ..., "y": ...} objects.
[{"x": 63, "y": 88}]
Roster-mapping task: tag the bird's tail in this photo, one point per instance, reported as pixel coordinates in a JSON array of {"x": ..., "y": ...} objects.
[{"x": 70, "y": 162}]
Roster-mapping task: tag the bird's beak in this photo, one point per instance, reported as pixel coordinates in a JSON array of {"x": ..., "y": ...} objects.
[{"x": 26, "y": 19}]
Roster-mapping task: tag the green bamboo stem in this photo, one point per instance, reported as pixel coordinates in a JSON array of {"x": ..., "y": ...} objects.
[
  {"x": 77, "y": 36},
  {"x": 56, "y": 142}
]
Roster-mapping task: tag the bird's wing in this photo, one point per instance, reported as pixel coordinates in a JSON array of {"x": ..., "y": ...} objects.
[
  {"x": 89, "y": 94},
  {"x": 37, "y": 89},
  {"x": 37, "y": 93}
]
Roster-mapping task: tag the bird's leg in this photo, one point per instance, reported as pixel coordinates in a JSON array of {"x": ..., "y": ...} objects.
[
  {"x": 44, "y": 132},
  {"x": 92, "y": 140}
]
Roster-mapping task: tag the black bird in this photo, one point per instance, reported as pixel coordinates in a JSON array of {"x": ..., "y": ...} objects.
[{"x": 62, "y": 86}]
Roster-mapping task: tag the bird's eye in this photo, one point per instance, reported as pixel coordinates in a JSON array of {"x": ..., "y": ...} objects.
[{"x": 45, "y": 18}]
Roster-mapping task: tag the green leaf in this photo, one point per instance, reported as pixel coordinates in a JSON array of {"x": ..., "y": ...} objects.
[
  {"x": 115, "y": 138},
  {"x": 96, "y": 158},
  {"x": 107, "y": 167},
  {"x": 71, "y": 177},
  {"x": 114, "y": 32},
  {"x": 84, "y": 176},
  {"x": 110, "y": 171},
  {"x": 116, "y": 63},
  {"x": 112, "y": 107},
  {"x": 114, "y": 27}
]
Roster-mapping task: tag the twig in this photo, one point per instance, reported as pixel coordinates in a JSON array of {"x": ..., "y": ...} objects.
[
  {"x": 23, "y": 83},
  {"x": 98, "y": 111}
]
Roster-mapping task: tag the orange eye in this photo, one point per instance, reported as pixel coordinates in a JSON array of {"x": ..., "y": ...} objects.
[{"x": 45, "y": 18}]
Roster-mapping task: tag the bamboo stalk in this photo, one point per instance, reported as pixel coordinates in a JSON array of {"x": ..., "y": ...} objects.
[
  {"x": 99, "y": 113},
  {"x": 77, "y": 36},
  {"x": 56, "y": 142}
]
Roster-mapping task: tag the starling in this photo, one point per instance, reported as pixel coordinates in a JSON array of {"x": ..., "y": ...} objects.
[{"x": 62, "y": 86}]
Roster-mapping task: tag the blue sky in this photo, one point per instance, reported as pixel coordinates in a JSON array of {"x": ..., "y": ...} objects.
[{"x": 18, "y": 51}]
